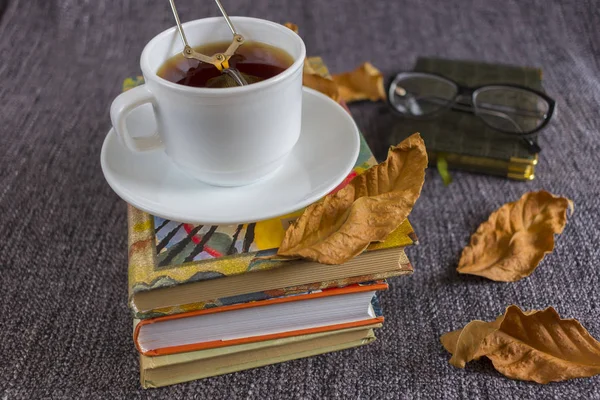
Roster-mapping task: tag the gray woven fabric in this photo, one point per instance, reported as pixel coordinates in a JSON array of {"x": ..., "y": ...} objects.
[{"x": 65, "y": 330}]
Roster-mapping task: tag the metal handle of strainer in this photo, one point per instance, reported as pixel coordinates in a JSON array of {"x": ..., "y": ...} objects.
[{"x": 219, "y": 60}]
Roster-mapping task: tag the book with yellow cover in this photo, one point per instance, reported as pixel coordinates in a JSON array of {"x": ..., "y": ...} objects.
[
  {"x": 189, "y": 288},
  {"x": 176, "y": 267},
  {"x": 177, "y": 368}
]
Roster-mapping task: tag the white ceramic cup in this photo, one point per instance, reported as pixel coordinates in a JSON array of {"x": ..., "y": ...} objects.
[{"x": 227, "y": 136}]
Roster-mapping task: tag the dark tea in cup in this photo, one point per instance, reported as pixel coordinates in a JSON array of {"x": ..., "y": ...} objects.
[{"x": 256, "y": 61}]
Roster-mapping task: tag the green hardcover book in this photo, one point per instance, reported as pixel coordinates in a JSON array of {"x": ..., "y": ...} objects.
[
  {"x": 465, "y": 141},
  {"x": 169, "y": 370}
]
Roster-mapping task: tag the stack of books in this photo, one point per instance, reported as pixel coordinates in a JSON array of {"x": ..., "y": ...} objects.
[{"x": 208, "y": 300}]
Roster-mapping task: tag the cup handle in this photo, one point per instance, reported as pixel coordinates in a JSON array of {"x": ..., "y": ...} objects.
[{"x": 121, "y": 107}]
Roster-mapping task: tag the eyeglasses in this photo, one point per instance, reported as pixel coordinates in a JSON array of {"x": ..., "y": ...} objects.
[{"x": 510, "y": 109}]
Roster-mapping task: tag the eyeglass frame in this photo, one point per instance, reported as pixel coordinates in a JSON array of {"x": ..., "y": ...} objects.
[{"x": 471, "y": 91}]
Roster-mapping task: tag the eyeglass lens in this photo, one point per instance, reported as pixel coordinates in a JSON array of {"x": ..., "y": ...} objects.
[
  {"x": 510, "y": 109},
  {"x": 421, "y": 94}
]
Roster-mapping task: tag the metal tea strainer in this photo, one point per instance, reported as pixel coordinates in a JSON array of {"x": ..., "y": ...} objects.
[{"x": 219, "y": 60}]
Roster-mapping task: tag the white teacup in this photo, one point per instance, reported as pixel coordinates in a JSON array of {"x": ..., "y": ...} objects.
[{"x": 226, "y": 136}]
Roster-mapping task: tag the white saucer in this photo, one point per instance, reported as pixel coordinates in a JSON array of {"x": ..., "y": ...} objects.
[{"x": 324, "y": 155}]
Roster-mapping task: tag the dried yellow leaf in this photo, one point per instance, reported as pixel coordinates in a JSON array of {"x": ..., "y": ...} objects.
[
  {"x": 465, "y": 344},
  {"x": 321, "y": 84},
  {"x": 308, "y": 69},
  {"x": 312, "y": 79},
  {"x": 371, "y": 206},
  {"x": 364, "y": 83},
  {"x": 535, "y": 346},
  {"x": 291, "y": 26},
  {"x": 515, "y": 238}
]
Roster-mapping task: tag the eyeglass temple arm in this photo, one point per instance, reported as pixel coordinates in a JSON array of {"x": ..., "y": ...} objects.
[
  {"x": 532, "y": 146},
  {"x": 518, "y": 111}
]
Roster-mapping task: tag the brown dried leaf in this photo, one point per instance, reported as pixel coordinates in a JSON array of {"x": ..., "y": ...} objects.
[
  {"x": 464, "y": 343},
  {"x": 515, "y": 238},
  {"x": 291, "y": 26},
  {"x": 364, "y": 83},
  {"x": 358, "y": 85},
  {"x": 307, "y": 68},
  {"x": 370, "y": 207},
  {"x": 321, "y": 84},
  {"x": 312, "y": 79},
  {"x": 535, "y": 346}
]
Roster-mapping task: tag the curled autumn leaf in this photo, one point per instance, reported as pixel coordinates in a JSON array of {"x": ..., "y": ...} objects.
[
  {"x": 535, "y": 346},
  {"x": 515, "y": 238},
  {"x": 314, "y": 80},
  {"x": 291, "y": 26},
  {"x": 311, "y": 79},
  {"x": 371, "y": 206},
  {"x": 364, "y": 83}
]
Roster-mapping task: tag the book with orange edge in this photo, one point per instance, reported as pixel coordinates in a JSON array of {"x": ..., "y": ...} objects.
[{"x": 307, "y": 304}]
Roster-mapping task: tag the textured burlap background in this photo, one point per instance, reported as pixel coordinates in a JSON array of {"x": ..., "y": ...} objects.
[{"x": 65, "y": 330}]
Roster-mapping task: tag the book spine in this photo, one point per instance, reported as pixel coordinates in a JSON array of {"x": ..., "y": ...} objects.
[
  {"x": 513, "y": 168},
  {"x": 142, "y": 249}
]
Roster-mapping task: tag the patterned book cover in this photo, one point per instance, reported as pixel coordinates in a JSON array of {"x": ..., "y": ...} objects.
[
  {"x": 464, "y": 140},
  {"x": 164, "y": 253}
]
